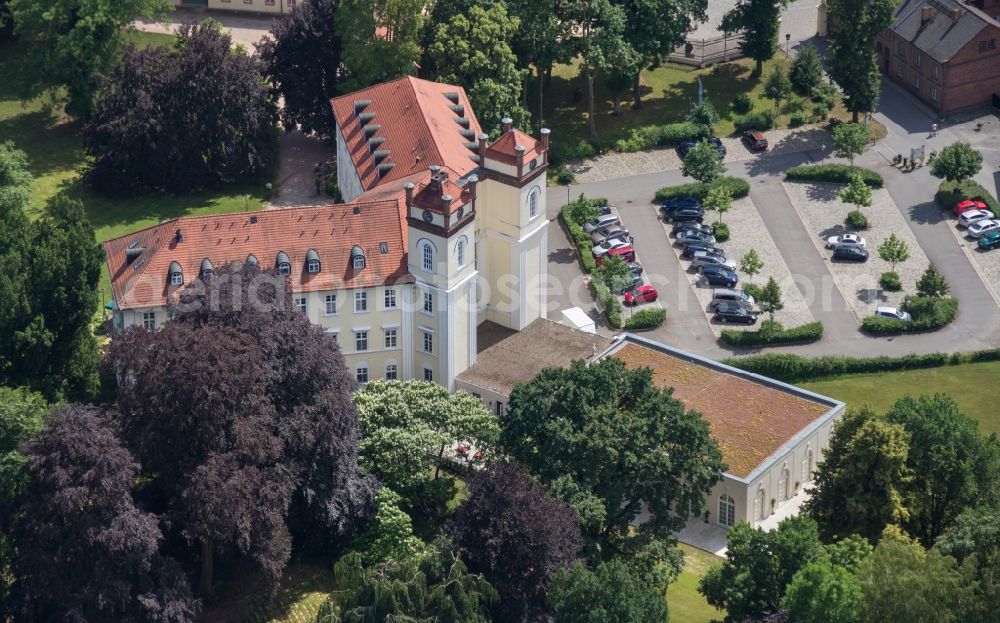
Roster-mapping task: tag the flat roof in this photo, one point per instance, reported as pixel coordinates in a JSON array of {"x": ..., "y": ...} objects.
[
  {"x": 521, "y": 356},
  {"x": 750, "y": 416}
]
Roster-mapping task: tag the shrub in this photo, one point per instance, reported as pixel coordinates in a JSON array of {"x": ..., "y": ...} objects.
[
  {"x": 334, "y": 191},
  {"x": 929, "y": 314},
  {"x": 798, "y": 119},
  {"x": 771, "y": 333},
  {"x": 651, "y": 136},
  {"x": 564, "y": 175},
  {"x": 891, "y": 282},
  {"x": 795, "y": 368},
  {"x": 742, "y": 104},
  {"x": 646, "y": 319},
  {"x": 609, "y": 303},
  {"x": 950, "y": 193},
  {"x": 753, "y": 290},
  {"x": 820, "y": 112},
  {"x": 704, "y": 114},
  {"x": 825, "y": 94},
  {"x": 720, "y": 231},
  {"x": 856, "y": 219},
  {"x": 737, "y": 188},
  {"x": 760, "y": 120},
  {"x": 581, "y": 149},
  {"x": 839, "y": 173}
]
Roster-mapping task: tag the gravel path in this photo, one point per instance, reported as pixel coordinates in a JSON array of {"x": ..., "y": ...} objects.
[
  {"x": 823, "y": 213},
  {"x": 986, "y": 262},
  {"x": 747, "y": 231}
]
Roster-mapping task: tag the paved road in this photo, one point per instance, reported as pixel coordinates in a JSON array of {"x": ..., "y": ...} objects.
[{"x": 245, "y": 29}]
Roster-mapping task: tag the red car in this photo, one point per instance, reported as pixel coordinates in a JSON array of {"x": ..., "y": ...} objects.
[
  {"x": 754, "y": 140},
  {"x": 969, "y": 204},
  {"x": 627, "y": 253},
  {"x": 642, "y": 294}
]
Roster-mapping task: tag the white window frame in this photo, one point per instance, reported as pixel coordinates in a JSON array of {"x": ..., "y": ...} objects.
[
  {"x": 427, "y": 344},
  {"x": 392, "y": 371},
  {"x": 330, "y": 305},
  {"x": 360, "y": 340},
  {"x": 285, "y": 268},
  {"x": 390, "y": 338},
  {"x": 727, "y": 511},
  {"x": 361, "y": 370},
  {"x": 314, "y": 267},
  {"x": 533, "y": 203},
  {"x": 460, "y": 251},
  {"x": 934, "y": 94},
  {"x": 176, "y": 279},
  {"x": 389, "y": 298},
  {"x": 428, "y": 307},
  {"x": 149, "y": 320},
  {"x": 360, "y": 302},
  {"x": 301, "y": 303},
  {"x": 359, "y": 262},
  {"x": 428, "y": 374},
  {"x": 427, "y": 257}
]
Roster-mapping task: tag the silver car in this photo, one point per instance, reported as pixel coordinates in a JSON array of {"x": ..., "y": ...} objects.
[
  {"x": 703, "y": 258},
  {"x": 732, "y": 297},
  {"x": 601, "y": 221},
  {"x": 612, "y": 231}
]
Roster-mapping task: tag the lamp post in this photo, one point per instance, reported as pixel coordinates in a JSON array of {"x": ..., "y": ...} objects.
[{"x": 788, "y": 43}]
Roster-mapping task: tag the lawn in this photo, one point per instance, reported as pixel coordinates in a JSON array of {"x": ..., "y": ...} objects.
[
  {"x": 57, "y": 157},
  {"x": 304, "y": 588},
  {"x": 965, "y": 383},
  {"x": 685, "y": 602},
  {"x": 666, "y": 92}
]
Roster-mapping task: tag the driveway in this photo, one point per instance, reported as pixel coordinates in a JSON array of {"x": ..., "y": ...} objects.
[{"x": 245, "y": 29}]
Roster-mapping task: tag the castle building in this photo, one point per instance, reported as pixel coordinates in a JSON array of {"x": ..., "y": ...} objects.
[{"x": 443, "y": 230}]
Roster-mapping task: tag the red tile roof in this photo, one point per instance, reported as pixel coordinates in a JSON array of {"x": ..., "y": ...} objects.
[
  {"x": 419, "y": 122},
  {"x": 329, "y": 230},
  {"x": 503, "y": 148}
]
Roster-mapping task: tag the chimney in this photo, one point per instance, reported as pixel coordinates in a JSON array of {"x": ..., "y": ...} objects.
[
  {"x": 926, "y": 13},
  {"x": 956, "y": 14},
  {"x": 519, "y": 152},
  {"x": 409, "y": 194},
  {"x": 446, "y": 201},
  {"x": 545, "y": 132},
  {"x": 506, "y": 124},
  {"x": 472, "y": 181},
  {"x": 483, "y": 137}
]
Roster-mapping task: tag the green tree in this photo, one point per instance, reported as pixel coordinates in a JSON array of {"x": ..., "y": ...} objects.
[
  {"x": 806, "y": 72},
  {"x": 406, "y": 426},
  {"x": 957, "y": 162},
  {"x": 474, "y": 50},
  {"x": 704, "y": 114},
  {"x": 614, "y": 273},
  {"x": 904, "y": 582},
  {"x": 770, "y": 298},
  {"x": 822, "y": 592},
  {"x": 69, "y": 43},
  {"x": 598, "y": 28},
  {"x": 851, "y": 53},
  {"x": 758, "y": 567},
  {"x": 612, "y": 591},
  {"x": 617, "y": 81},
  {"x": 860, "y": 485},
  {"x": 974, "y": 541},
  {"x": 719, "y": 199},
  {"x": 433, "y": 586},
  {"x": 540, "y": 43},
  {"x": 932, "y": 283},
  {"x": 15, "y": 195},
  {"x": 777, "y": 87},
  {"x": 751, "y": 264},
  {"x": 703, "y": 162},
  {"x": 850, "y": 140},
  {"x": 856, "y": 192},
  {"x": 757, "y": 21},
  {"x": 560, "y": 428},
  {"x": 380, "y": 38},
  {"x": 389, "y": 536},
  {"x": 894, "y": 251}
]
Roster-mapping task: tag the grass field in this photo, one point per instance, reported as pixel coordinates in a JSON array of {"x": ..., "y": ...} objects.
[
  {"x": 304, "y": 588},
  {"x": 686, "y": 604},
  {"x": 967, "y": 383}
]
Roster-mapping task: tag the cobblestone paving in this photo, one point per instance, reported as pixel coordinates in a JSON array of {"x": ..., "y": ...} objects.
[
  {"x": 823, "y": 213},
  {"x": 747, "y": 231}
]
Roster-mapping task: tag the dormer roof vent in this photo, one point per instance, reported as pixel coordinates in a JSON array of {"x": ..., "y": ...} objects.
[
  {"x": 463, "y": 121},
  {"x": 452, "y": 96},
  {"x": 371, "y": 129},
  {"x": 374, "y": 142},
  {"x": 360, "y": 105},
  {"x": 379, "y": 155},
  {"x": 365, "y": 117},
  {"x": 458, "y": 109},
  {"x": 384, "y": 168}
]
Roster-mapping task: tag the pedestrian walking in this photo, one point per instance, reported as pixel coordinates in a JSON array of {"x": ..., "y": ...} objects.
[{"x": 934, "y": 129}]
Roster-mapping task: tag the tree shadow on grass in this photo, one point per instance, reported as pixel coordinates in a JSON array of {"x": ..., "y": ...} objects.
[{"x": 50, "y": 146}]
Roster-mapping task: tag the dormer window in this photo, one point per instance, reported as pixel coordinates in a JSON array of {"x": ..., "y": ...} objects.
[
  {"x": 357, "y": 258},
  {"x": 206, "y": 268},
  {"x": 313, "y": 264},
  {"x": 282, "y": 264},
  {"x": 176, "y": 274},
  {"x": 252, "y": 260}
]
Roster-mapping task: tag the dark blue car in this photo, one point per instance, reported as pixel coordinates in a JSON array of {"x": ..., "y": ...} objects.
[
  {"x": 670, "y": 206},
  {"x": 720, "y": 276}
]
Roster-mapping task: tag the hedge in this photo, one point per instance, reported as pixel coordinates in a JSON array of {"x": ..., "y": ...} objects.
[
  {"x": 950, "y": 193},
  {"x": 840, "y": 173},
  {"x": 929, "y": 313},
  {"x": 579, "y": 237},
  {"x": 759, "y": 120},
  {"x": 772, "y": 333},
  {"x": 650, "y": 136},
  {"x": 609, "y": 303},
  {"x": 646, "y": 319},
  {"x": 796, "y": 368},
  {"x": 737, "y": 187},
  {"x": 562, "y": 152}
]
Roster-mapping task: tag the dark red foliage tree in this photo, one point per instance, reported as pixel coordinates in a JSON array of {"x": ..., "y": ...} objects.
[
  {"x": 85, "y": 551},
  {"x": 301, "y": 59},
  {"x": 516, "y": 535},
  {"x": 190, "y": 116}
]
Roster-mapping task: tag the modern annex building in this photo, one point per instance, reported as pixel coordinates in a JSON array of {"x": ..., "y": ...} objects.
[{"x": 442, "y": 231}]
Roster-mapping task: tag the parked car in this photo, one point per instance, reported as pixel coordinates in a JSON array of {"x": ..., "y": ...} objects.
[
  {"x": 977, "y": 229},
  {"x": 969, "y": 204},
  {"x": 847, "y": 253},
  {"x": 720, "y": 276},
  {"x": 851, "y": 240},
  {"x": 627, "y": 253},
  {"x": 611, "y": 231},
  {"x": 754, "y": 140},
  {"x": 685, "y": 146},
  {"x": 603, "y": 210},
  {"x": 629, "y": 283},
  {"x": 601, "y": 221},
  {"x": 730, "y": 296},
  {"x": 702, "y": 259},
  {"x": 695, "y": 245},
  {"x": 989, "y": 240},
  {"x": 609, "y": 244},
  {"x": 687, "y": 234},
  {"x": 642, "y": 294},
  {"x": 971, "y": 216},
  {"x": 635, "y": 268},
  {"x": 893, "y": 312},
  {"x": 731, "y": 312},
  {"x": 692, "y": 226},
  {"x": 678, "y": 203},
  {"x": 687, "y": 214}
]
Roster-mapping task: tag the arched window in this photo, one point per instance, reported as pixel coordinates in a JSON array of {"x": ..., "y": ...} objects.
[
  {"x": 252, "y": 260},
  {"x": 313, "y": 265},
  {"x": 460, "y": 251},
  {"x": 428, "y": 257},
  {"x": 357, "y": 257},
  {"x": 206, "y": 268},
  {"x": 282, "y": 264},
  {"x": 533, "y": 203},
  {"x": 783, "y": 484},
  {"x": 727, "y": 510},
  {"x": 176, "y": 274},
  {"x": 761, "y": 501}
]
